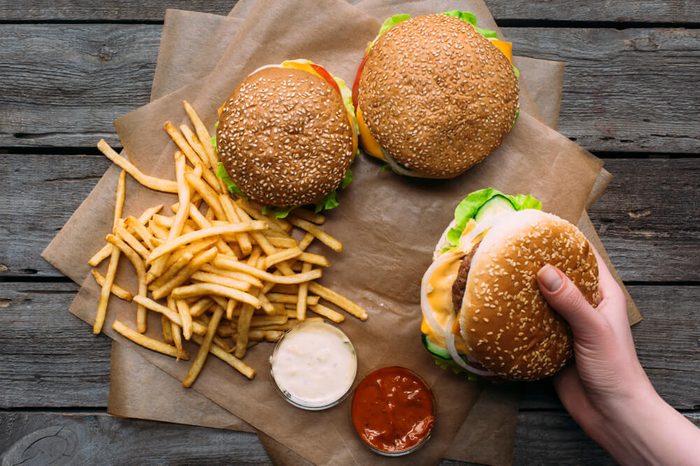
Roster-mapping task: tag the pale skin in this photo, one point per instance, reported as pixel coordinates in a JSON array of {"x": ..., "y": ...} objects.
[{"x": 606, "y": 390}]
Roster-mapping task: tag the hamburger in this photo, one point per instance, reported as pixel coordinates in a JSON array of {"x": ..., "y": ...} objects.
[
  {"x": 436, "y": 94},
  {"x": 286, "y": 137},
  {"x": 483, "y": 313}
]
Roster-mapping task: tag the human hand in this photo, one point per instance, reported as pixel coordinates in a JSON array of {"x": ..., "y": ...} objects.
[{"x": 606, "y": 390}]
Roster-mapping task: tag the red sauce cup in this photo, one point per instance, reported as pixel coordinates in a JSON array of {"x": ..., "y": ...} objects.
[{"x": 393, "y": 411}]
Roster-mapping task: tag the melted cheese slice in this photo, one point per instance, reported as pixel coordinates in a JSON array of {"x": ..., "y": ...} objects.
[
  {"x": 505, "y": 47},
  {"x": 369, "y": 144}
]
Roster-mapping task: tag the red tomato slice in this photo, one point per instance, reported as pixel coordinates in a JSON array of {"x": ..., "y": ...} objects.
[
  {"x": 356, "y": 84},
  {"x": 326, "y": 75}
]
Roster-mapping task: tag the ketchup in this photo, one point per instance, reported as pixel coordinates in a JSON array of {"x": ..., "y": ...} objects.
[{"x": 393, "y": 410}]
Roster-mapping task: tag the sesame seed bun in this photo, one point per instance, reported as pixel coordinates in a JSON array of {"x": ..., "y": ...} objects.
[
  {"x": 506, "y": 323},
  {"x": 436, "y": 95},
  {"x": 284, "y": 137}
]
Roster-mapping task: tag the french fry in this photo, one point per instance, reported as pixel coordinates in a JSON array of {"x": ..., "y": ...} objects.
[
  {"x": 173, "y": 269},
  {"x": 230, "y": 307},
  {"x": 166, "y": 330},
  {"x": 265, "y": 303},
  {"x": 309, "y": 216},
  {"x": 255, "y": 213},
  {"x": 131, "y": 240},
  {"x": 183, "y": 195},
  {"x": 223, "y": 344},
  {"x": 193, "y": 248},
  {"x": 265, "y": 335},
  {"x": 116, "y": 290},
  {"x": 306, "y": 241},
  {"x": 202, "y": 133},
  {"x": 302, "y": 295},
  {"x": 229, "y": 359},
  {"x": 191, "y": 155},
  {"x": 140, "y": 229},
  {"x": 176, "y": 333},
  {"x": 106, "y": 250},
  {"x": 200, "y": 289},
  {"x": 204, "y": 348},
  {"x": 207, "y": 277},
  {"x": 148, "y": 342},
  {"x": 106, "y": 291},
  {"x": 194, "y": 143},
  {"x": 285, "y": 298},
  {"x": 321, "y": 235},
  {"x": 235, "y": 275},
  {"x": 200, "y": 307},
  {"x": 228, "y": 263},
  {"x": 173, "y": 316},
  {"x": 136, "y": 261},
  {"x": 184, "y": 310},
  {"x": 315, "y": 259},
  {"x": 327, "y": 312},
  {"x": 281, "y": 256},
  {"x": 225, "y": 330},
  {"x": 209, "y": 194},
  {"x": 290, "y": 324},
  {"x": 262, "y": 321},
  {"x": 232, "y": 216},
  {"x": 170, "y": 245},
  {"x": 183, "y": 275},
  {"x": 282, "y": 242},
  {"x": 156, "y": 184},
  {"x": 121, "y": 196},
  {"x": 339, "y": 300}
]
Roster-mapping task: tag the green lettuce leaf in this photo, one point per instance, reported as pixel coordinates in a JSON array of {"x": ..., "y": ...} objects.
[
  {"x": 392, "y": 21},
  {"x": 230, "y": 185},
  {"x": 470, "y": 205},
  {"x": 466, "y": 16},
  {"x": 277, "y": 212}
]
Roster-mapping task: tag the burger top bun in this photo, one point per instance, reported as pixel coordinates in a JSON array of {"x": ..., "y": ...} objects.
[
  {"x": 284, "y": 137},
  {"x": 506, "y": 323},
  {"x": 437, "y": 95}
]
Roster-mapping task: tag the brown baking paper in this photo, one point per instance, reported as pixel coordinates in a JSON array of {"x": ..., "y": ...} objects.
[{"x": 110, "y": 195}]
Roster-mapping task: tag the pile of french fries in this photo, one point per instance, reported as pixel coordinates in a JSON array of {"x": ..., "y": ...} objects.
[{"x": 218, "y": 271}]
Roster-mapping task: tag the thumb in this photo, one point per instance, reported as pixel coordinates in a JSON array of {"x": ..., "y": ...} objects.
[{"x": 567, "y": 300}]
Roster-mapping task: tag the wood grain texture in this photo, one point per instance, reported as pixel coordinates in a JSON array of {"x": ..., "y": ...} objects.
[
  {"x": 645, "y": 220},
  {"x": 96, "y": 438},
  {"x": 558, "y": 10},
  {"x": 624, "y": 90},
  {"x": 51, "y": 359}
]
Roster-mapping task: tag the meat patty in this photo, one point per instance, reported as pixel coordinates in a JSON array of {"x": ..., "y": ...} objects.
[{"x": 460, "y": 284}]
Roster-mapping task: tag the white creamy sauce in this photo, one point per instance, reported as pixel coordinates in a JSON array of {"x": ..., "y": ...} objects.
[{"x": 314, "y": 365}]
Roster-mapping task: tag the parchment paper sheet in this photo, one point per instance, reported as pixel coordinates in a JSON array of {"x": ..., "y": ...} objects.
[{"x": 373, "y": 298}]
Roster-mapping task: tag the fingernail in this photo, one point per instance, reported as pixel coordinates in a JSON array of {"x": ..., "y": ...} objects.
[{"x": 550, "y": 278}]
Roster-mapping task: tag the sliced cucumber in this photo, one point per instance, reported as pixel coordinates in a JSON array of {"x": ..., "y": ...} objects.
[
  {"x": 435, "y": 350},
  {"x": 496, "y": 206}
]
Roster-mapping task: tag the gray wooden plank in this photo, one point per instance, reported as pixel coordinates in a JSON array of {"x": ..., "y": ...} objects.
[
  {"x": 648, "y": 218},
  {"x": 625, "y": 90},
  {"x": 63, "y": 85},
  {"x": 96, "y": 438},
  {"x": 558, "y": 10},
  {"x": 51, "y": 359},
  {"x": 553, "y": 438},
  {"x": 647, "y": 221},
  {"x": 40, "y": 192}
]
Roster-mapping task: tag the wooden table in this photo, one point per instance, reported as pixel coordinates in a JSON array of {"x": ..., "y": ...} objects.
[{"x": 631, "y": 96}]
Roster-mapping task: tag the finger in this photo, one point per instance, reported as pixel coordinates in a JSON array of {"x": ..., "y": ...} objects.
[
  {"x": 613, "y": 302},
  {"x": 567, "y": 300}
]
